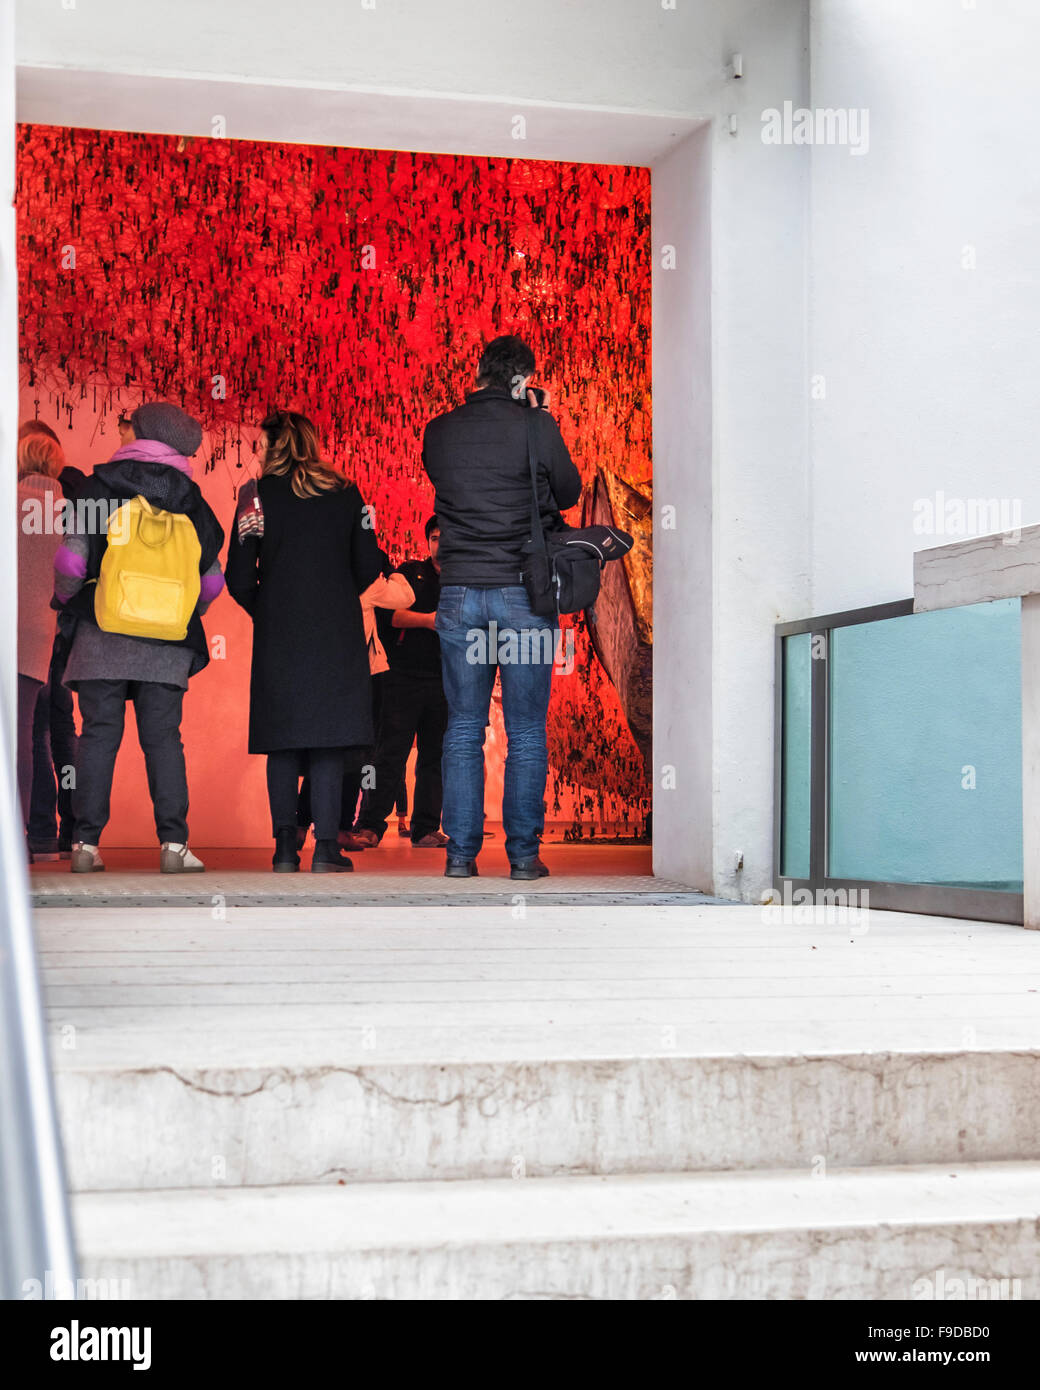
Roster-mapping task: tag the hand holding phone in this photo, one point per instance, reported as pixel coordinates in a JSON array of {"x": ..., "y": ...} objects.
[{"x": 537, "y": 398}]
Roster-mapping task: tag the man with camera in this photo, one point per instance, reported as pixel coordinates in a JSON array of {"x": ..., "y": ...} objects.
[{"x": 477, "y": 458}]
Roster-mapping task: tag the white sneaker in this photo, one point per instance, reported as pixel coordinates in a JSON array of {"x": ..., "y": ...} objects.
[
  {"x": 86, "y": 859},
  {"x": 178, "y": 859}
]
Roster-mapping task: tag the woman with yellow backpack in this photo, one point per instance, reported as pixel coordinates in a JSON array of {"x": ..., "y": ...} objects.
[{"x": 138, "y": 566}]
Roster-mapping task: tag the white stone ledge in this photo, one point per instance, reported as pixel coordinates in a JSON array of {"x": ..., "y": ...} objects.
[{"x": 978, "y": 570}]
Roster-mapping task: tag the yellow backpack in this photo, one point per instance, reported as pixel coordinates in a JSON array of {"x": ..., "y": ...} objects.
[{"x": 149, "y": 582}]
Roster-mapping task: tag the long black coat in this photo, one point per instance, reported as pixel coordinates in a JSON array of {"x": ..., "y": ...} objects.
[{"x": 300, "y": 583}]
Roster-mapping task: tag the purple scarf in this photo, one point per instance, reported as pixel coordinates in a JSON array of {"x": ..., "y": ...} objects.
[{"x": 152, "y": 451}]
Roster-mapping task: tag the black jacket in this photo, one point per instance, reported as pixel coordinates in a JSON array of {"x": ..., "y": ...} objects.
[
  {"x": 476, "y": 458},
  {"x": 301, "y": 583},
  {"x": 163, "y": 486},
  {"x": 415, "y": 650}
]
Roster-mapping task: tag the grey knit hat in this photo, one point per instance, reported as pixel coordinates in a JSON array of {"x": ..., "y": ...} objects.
[{"x": 168, "y": 423}]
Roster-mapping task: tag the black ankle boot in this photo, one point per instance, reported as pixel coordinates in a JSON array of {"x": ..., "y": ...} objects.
[
  {"x": 461, "y": 868},
  {"x": 529, "y": 868},
  {"x": 286, "y": 860},
  {"x": 328, "y": 859}
]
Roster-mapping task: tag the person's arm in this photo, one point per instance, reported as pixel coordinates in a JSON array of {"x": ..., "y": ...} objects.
[
  {"x": 366, "y": 559},
  {"x": 408, "y": 617},
  {"x": 389, "y": 591},
  {"x": 243, "y": 561},
  {"x": 242, "y": 574},
  {"x": 210, "y": 585},
  {"x": 71, "y": 557},
  {"x": 564, "y": 478}
]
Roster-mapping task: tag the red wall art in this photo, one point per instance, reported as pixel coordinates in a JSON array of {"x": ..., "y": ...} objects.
[{"x": 357, "y": 286}]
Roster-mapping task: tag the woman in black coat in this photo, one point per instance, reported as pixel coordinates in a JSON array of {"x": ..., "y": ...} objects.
[{"x": 301, "y": 552}]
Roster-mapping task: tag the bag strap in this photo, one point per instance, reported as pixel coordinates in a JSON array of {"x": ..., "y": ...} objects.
[{"x": 537, "y": 530}]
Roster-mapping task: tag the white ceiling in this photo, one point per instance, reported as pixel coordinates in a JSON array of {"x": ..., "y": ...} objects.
[{"x": 319, "y": 115}]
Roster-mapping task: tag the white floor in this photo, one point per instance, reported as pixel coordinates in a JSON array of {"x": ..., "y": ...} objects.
[{"x": 174, "y": 986}]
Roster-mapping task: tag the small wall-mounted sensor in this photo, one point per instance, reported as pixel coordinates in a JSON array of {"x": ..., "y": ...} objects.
[
  {"x": 733, "y": 124},
  {"x": 738, "y": 861},
  {"x": 737, "y": 65}
]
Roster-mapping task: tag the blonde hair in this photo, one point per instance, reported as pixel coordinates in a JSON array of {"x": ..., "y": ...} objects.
[
  {"x": 39, "y": 451},
  {"x": 294, "y": 452}
]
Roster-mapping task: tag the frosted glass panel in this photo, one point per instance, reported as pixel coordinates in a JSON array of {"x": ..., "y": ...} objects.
[
  {"x": 795, "y": 766},
  {"x": 925, "y": 749}
]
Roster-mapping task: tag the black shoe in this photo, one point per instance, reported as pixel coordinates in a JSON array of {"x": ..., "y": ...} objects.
[
  {"x": 286, "y": 860},
  {"x": 529, "y": 868},
  {"x": 44, "y": 849},
  {"x": 328, "y": 859},
  {"x": 461, "y": 868}
]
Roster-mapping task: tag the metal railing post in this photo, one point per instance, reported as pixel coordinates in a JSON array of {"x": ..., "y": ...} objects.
[{"x": 35, "y": 1227}]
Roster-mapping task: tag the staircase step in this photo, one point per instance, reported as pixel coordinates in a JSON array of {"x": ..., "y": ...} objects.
[
  {"x": 844, "y": 1234},
  {"x": 159, "y": 1127},
  {"x": 275, "y": 1046}
]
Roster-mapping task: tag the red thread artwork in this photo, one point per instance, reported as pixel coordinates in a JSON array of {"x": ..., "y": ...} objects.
[{"x": 357, "y": 286}]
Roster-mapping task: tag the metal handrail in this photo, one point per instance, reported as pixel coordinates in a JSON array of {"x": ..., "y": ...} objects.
[{"x": 35, "y": 1228}]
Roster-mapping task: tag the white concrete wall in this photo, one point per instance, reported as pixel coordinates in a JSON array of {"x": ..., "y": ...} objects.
[
  {"x": 759, "y": 230},
  {"x": 684, "y": 480},
  {"x": 730, "y": 409},
  {"x": 730, "y": 454},
  {"x": 932, "y": 369}
]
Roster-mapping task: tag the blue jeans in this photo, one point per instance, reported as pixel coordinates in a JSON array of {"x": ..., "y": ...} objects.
[{"x": 481, "y": 631}]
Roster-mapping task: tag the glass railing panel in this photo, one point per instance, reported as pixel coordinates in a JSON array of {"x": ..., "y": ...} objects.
[{"x": 925, "y": 766}]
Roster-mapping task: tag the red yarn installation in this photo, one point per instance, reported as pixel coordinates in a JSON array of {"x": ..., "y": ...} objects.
[{"x": 357, "y": 286}]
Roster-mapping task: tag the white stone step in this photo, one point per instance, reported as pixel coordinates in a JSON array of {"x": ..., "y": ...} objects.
[
  {"x": 885, "y": 1233},
  {"x": 166, "y": 1127},
  {"x": 278, "y": 1047}
]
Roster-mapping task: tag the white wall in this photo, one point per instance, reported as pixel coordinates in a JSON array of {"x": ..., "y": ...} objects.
[
  {"x": 932, "y": 370},
  {"x": 729, "y": 410},
  {"x": 759, "y": 228},
  {"x": 684, "y": 478}
]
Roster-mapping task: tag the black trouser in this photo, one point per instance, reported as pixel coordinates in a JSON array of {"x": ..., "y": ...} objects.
[
  {"x": 413, "y": 707},
  {"x": 29, "y": 692},
  {"x": 348, "y": 799},
  {"x": 324, "y": 768},
  {"x": 54, "y": 754},
  {"x": 353, "y": 777},
  {"x": 102, "y": 705}
]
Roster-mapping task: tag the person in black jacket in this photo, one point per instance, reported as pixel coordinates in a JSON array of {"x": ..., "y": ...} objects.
[
  {"x": 412, "y": 709},
  {"x": 476, "y": 456},
  {"x": 302, "y": 554}
]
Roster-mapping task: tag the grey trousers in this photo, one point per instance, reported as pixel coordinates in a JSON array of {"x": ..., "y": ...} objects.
[{"x": 102, "y": 705}]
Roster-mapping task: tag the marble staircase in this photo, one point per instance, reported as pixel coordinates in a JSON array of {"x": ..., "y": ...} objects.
[{"x": 579, "y": 1102}]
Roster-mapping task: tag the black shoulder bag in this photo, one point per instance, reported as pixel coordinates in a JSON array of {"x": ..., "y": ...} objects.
[{"x": 563, "y": 568}]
